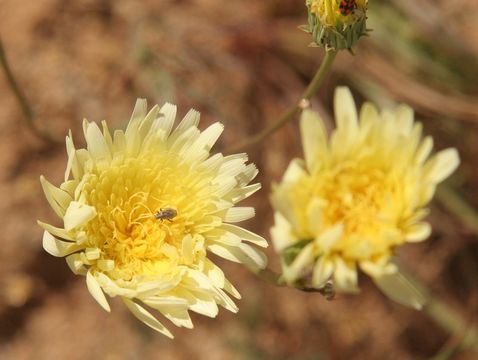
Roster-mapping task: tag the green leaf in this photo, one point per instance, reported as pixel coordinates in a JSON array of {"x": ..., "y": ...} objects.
[{"x": 290, "y": 253}]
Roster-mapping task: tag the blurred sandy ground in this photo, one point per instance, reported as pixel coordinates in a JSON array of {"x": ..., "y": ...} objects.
[{"x": 241, "y": 63}]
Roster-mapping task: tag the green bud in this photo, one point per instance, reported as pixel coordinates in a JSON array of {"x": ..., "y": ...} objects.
[{"x": 336, "y": 24}]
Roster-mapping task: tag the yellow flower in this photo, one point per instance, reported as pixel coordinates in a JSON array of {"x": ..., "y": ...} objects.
[
  {"x": 356, "y": 197},
  {"x": 142, "y": 208},
  {"x": 336, "y": 24}
]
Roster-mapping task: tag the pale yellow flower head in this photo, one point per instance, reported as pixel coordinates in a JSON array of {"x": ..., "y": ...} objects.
[
  {"x": 143, "y": 208},
  {"x": 336, "y": 24},
  {"x": 356, "y": 197}
]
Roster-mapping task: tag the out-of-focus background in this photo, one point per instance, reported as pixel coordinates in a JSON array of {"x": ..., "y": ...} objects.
[{"x": 242, "y": 63}]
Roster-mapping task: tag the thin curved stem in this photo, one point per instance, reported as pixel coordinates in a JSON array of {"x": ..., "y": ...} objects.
[
  {"x": 21, "y": 98},
  {"x": 276, "y": 279},
  {"x": 319, "y": 76},
  {"x": 461, "y": 208},
  {"x": 464, "y": 333},
  {"x": 294, "y": 110}
]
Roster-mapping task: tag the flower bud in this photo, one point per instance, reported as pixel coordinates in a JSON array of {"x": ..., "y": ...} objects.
[{"x": 336, "y": 24}]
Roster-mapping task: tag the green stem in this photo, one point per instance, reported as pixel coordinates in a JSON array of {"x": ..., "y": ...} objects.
[
  {"x": 21, "y": 99},
  {"x": 453, "y": 322},
  {"x": 458, "y": 206},
  {"x": 464, "y": 333},
  {"x": 319, "y": 76},
  {"x": 276, "y": 279},
  {"x": 294, "y": 110},
  {"x": 271, "y": 277}
]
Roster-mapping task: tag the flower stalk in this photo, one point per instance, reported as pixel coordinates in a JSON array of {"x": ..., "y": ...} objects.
[
  {"x": 276, "y": 279},
  {"x": 25, "y": 107},
  {"x": 452, "y": 322},
  {"x": 294, "y": 110},
  {"x": 442, "y": 314},
  {"x": 459, "y": 207},
  {"x": 464, "y": 332}
]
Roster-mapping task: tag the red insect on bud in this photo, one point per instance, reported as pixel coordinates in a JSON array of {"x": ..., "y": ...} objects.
[
  {"x": 336, "y": 24},
  {"x": 347, "y": 7}
]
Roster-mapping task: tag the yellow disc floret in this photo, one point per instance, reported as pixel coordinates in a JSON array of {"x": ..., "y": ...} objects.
[{"x": 126, "y": 195}]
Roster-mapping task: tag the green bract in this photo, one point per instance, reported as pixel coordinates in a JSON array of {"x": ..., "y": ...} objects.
[{"x": 335, "y": 24}]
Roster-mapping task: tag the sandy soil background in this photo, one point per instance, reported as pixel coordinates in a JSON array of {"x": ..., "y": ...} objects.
[{"x": 241, "y": 63}]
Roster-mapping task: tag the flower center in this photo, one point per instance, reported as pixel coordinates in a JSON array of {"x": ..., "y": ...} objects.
[
  {"x": 358, "y": 196},
  {"x": 127, "y": 193},
  {"x": 354, "y": 196}
]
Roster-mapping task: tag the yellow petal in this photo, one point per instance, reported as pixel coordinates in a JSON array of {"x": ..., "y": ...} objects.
[
  {"x": 76, "y": 264},
  {"x": 132, "y": 133},
  {"x": 139, "y": 112},
  {"x": 302, "y": 261},
  {"x": 441, "y": 165},
  {"x": 187, "y": 248},
  {"x": 146, "y": 124},
  {"x": 168, "y": 115},
  {"x": 378, "y": 267},
  {"x": 55, "y": 231},
  {"x": 281, "y": 233},
  {"x": 119, "y": 141},
  {"x": 178, "y": 315},
  {"x": 253, "y": 258},
  {"x": 283, "y": 202},
  {"x": 404, "y": 119},
  {"x": 113, "y": 289},
  {"x": 345, "y": 276},
  {"x": 231, "y": 289},
  {"x": 401, "y": 290},
  {"x": 226, "y": 302},
  {"x": 58, "y": 248},
  {"x": 95, "y": 140},
  {"x": 250, "y": 257},
  {"x": 418, "y": 232},
  {"x": 190, "y": 120},
  {"x": 204, "y": 304},
  {"x": 368, "y": 118},
  {"x": 314, "y": 141},
  {"x": 315, "y": 215},
  {"x": 96, "y": 291},
  {"x": 327, "y": 240},
  {"x": 183, "y": 142},
  {"x": 214, "y": 273},
  {"x": 78, "y": 214},
  {"x": 294, "y": 171},
  {"x": 69, "y": 186},
  {"x": 345, "y": 112},
  {"x": 92, "y": 253},
  {"x": 57, "y": 198},
  {"x": 145, "y": 316},
  {"x": 424, "y": 150},
  {"x": 105, "y": 265},
  {"x": 72, "y": 164},
  {"x": 245, "y": 235},
  {"x": 239, "y": 194},
  {"x": 238, "y": 214},
  {"x": 323, "y": 269},
  {"x": 199, "y": 150}
]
